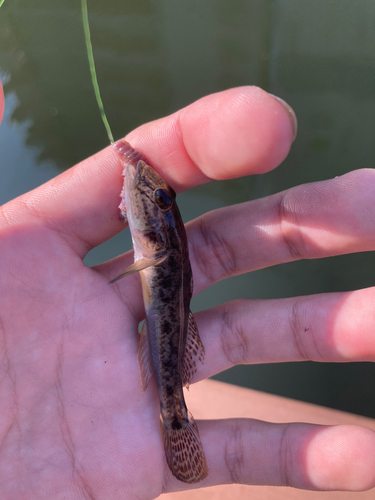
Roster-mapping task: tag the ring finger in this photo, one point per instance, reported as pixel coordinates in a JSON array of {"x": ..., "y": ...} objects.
[{"x": 336, "y": 327}]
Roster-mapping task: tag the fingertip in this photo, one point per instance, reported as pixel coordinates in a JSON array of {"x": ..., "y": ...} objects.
[
  {"x": 342, "y": 458},
  {"x": 291, "y": 114},
  {"x": 237, "y": 132},
  {"x": 352, "y": 334},
  {"x": 229, "y": 134}
]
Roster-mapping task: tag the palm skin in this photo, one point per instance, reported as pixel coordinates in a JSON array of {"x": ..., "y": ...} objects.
[
  {"x": 70, "y": 391},
  {"x": 74, "y": 422}
]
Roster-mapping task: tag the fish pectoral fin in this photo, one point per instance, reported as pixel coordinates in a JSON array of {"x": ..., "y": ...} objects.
[
  {"x": 144, "y": 358},
  {"x": 194, "y": 351},
  {"x": 137, "y": 266}
]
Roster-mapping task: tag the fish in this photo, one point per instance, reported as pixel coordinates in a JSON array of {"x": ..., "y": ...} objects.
[{"x": 170, "y": 346}]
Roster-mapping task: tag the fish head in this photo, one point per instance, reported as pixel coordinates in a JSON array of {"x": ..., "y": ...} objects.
[{"x": 149, "y": 205}]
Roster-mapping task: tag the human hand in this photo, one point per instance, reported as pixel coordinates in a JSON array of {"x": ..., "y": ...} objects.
[{"x": 74, "y": 421}]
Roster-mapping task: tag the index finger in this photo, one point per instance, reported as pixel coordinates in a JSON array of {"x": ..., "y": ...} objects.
[{"x": 233, "y": 133}]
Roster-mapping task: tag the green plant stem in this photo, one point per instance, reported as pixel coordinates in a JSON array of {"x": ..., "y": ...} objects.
[{"x": 90, "y": 55}]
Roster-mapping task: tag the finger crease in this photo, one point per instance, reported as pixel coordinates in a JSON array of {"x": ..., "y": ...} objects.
[
  {"x": 218, "y": 252},
  {"x": 234, "y": 454},
  {"x": 296, "y": 330},
  {"x": 183, "y": 148},
  {"x": 289, "y": 228},
  {"x": 303, "y": 336},
  {"x": 285, "y": 458},
  {"x": 234, "y": 344}
]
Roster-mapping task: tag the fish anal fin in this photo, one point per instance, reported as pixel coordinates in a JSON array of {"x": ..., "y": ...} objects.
[
  {"x": 194, "y": 351},
  {"x": 144, "y": 358},
  {"x": 138, "y": 265},
  {"x": 184, "y": 451}
]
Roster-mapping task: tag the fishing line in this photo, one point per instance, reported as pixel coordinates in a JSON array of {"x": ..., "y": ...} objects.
[{"x": 90, "y": 56}]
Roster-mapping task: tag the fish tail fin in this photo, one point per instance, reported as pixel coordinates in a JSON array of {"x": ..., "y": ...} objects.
[{"x": 184, "y": 452}]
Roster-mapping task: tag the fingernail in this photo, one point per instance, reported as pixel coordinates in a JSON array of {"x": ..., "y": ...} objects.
[{"x": 291, "y": 114}]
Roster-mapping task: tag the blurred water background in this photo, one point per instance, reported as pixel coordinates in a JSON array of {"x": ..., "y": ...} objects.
[{"x": 156, "y": 56}]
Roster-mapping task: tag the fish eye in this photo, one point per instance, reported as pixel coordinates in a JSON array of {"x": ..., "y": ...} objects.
[{"x": 162, "y": 199}]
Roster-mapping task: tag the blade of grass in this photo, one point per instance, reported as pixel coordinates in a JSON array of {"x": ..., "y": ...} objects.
[{"x": 90, "y": 56}]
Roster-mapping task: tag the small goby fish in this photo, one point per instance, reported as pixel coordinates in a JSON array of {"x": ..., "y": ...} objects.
[{"x": 170, "y": 345}]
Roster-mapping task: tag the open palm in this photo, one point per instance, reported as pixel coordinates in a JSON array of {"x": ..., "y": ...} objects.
[{"x": 74, "y": 421}]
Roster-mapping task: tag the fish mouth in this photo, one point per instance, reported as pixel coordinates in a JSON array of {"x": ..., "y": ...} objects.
[
  {"x": 131, "y": 171},
  {"x": 133, "y": 174}
]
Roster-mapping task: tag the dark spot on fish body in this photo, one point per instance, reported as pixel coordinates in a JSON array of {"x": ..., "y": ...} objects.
[
  {"x": 152, "y": 236},
  {"x": 173, "y": 264},
  {"x": 166, "y": 283},
  {"x": 170, "y": 390},
  {"x": 166, "y": 327},
  {"x": 176, "y": 424},
  {"x": 165, "y": 299}
]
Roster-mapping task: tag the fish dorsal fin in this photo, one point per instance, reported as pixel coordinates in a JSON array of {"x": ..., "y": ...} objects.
[
  {"x": 139, "y": 265},
  {"x": 194, "y": 351},
  {"x": 144, "y": 358}
]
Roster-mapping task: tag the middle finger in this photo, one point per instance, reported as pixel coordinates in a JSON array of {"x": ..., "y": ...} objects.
[{"x": 310, "y": 221}]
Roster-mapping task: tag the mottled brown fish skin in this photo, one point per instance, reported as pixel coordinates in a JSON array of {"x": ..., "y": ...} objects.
[
  {"x": 158, "y": 231},
  {"x": 167, "y": 319}
]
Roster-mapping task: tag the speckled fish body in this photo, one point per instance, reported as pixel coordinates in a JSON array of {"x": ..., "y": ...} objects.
[{"x": 170, "y": 344}]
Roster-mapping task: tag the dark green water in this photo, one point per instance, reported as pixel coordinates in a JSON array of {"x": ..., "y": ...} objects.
[{"x": 155, "y": 56}]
